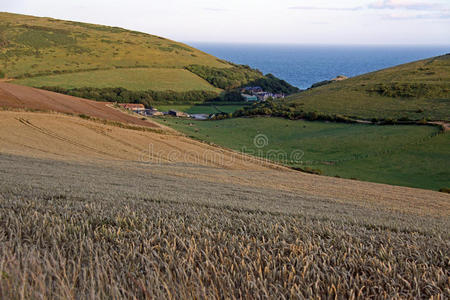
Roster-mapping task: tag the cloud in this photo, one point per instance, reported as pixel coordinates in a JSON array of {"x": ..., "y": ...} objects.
[
  {"x": 432, "y": 16},
  {"x": 327, "y": 8},
  {"x": 405, "y": 5},
  {"x": 382, "y": 4},
  {"x": 216, "y": 9}
]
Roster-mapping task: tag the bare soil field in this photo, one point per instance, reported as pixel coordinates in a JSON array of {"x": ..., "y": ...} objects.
[{"x": 16, "y": 96}]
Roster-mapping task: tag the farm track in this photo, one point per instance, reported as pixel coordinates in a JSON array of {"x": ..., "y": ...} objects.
[{"x": 86, "y": 140}]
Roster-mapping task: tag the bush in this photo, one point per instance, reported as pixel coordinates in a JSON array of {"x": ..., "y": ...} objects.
[
  {"x": 321, "y": 83},
  {"x": 233, "y": 96},
  {"x": 220, "y": 116},
  {"x": 226, "y": 78},
  {"x": 83, "y": 116},
  {"x": 272, "y": 84},
  {"x": 409, "y": 90},
  {"x": 445, "y": 190},
  {"x": 309, "y": 170}
]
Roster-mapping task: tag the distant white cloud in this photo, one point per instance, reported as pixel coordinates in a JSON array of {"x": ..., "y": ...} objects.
[
  {"x": 420, "y": 16},
  {"x": 261, "y": 21},
  {"x": 327, "y": 8},
  {"x": 381, "y": 4},
  {"x": 216, "y": 9},
  {"x": 405, "y": 5}
]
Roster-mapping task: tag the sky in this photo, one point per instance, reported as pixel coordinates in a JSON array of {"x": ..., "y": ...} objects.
[{"x": 343, "y": 22}]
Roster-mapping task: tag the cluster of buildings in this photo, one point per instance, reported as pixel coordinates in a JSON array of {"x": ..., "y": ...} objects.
[
  {"x": 152, "y": 112},
  {"x": 256, "y": 93},
  {"x": 140, "y": 109}
]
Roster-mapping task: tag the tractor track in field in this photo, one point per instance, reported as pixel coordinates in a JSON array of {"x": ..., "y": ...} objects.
[{"x": 61, "y": 138}]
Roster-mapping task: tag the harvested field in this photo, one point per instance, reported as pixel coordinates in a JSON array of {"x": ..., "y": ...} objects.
[{"x": 16, "y": 96}]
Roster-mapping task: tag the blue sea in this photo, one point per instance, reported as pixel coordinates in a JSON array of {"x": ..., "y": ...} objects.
[{"x": 302, "y": 65}]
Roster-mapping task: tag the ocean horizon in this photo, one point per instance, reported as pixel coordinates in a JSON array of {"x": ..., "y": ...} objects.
[{"x": 303, "y": 65}]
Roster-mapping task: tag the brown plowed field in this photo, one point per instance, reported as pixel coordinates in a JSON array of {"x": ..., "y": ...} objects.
[{"x": 16, "y": 96}]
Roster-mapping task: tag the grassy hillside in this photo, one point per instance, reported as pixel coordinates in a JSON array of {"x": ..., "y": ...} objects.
[
  {"x": 48, "y": 52},
  {"x": 134, "y": 79},
  {"x": 416, "y": 90},
  {"x": 71, "y": 56},
  {"x": 33, "y": 46},
  {"x": 414, "y": 156}
]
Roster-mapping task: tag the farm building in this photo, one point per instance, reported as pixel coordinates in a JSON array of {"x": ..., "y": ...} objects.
[
  {"x": 249, "y": 98},
  {"x": 176, "y": 113},
  {"x": 265, "y": 95}
]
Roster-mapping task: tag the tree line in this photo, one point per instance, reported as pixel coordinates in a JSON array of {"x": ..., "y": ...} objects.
[{"x": 148, "y": 98}]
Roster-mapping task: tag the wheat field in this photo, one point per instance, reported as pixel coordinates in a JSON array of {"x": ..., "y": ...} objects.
[{"x": 79, "y": 224}]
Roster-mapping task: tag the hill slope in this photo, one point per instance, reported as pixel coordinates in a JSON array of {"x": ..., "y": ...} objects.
[
  {"x": 32, "y": 46},
  {"x": 415, "y": 90},
  {"x": 20, "y": 97},
  {"x": 47, "y": 52},
  {"x": 73, "y": 139}
]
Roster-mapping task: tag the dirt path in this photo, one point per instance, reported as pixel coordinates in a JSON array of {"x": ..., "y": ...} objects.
[{"x": 445, "y": 126}]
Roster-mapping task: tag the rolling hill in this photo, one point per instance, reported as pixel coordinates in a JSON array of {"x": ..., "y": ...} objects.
[
  {"x": 94, "y": 209},
  {"x": 45, "y": 52},
  {"x": 33, "y": 46},
  {"x": 411, "y": 91}
]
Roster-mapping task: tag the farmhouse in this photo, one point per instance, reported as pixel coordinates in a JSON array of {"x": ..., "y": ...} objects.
[{"x": 263, "y": 96}]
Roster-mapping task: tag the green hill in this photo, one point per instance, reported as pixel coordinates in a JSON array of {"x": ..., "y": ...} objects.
[
  {"x": 411, "y": 91},
  {"x": 33, "y": 46},
  {"x": 73, "y": 56}
]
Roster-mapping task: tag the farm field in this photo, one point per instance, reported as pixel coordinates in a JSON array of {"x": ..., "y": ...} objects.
[
  {"x": 413, "y": 156},
  {"x": 202, "y": 108},
  {"x": 87, "y": 230},
  {"x": 415, "y": 91},
  {"x": 19, "y": 97},
  {"x": 103, "y": 210},
  {"x": 98, "y": 202},
  {"x": 140, "y": 79}
]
